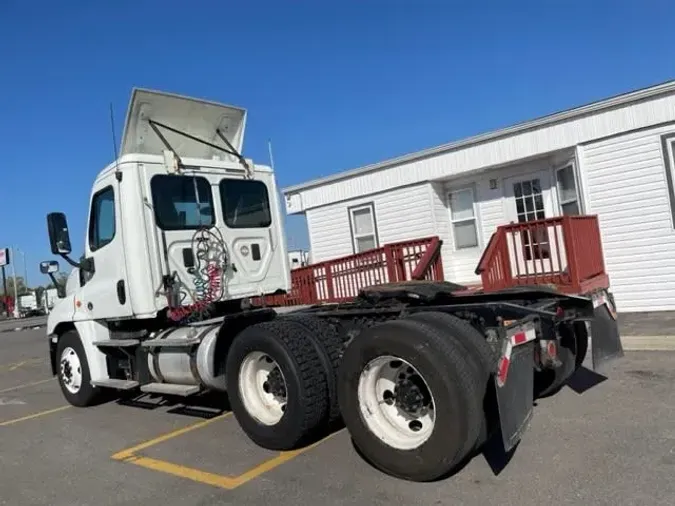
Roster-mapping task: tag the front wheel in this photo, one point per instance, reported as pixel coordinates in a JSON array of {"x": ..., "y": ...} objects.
[{"x": 73, "y": 372}]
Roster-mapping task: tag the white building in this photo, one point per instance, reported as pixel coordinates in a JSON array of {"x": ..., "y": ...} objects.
[
  {"x": 298, "y": 258},
  {"x": 613, "y": 158}
]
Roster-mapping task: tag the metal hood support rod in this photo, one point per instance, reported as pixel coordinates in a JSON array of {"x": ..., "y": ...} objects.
[{"x": 231, "y": 151}]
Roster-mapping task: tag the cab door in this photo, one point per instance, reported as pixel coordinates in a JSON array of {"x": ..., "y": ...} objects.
[
  {"x": 245, "y": 209},
  {"x": 184, "y": 225},
  {"x": 103, "y": 289}
]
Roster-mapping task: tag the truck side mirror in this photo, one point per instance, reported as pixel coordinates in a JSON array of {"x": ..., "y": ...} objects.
[
  {"x": 59, "y": 237},
  {"x": 49, "y": 267}
]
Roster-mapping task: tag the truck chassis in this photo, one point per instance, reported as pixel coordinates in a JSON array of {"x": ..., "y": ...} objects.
[{"x": 422, "y": 374}]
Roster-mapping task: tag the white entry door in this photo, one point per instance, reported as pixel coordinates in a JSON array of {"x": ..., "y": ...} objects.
[{"x": 533, "y": 248}]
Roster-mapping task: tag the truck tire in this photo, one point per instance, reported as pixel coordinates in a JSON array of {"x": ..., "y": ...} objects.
[
  {"x": 72, "y": 369},
  {"x": 399, "y": 366},
  {"x": 467, "y": 335},
  {"x": 276, "y": 384},
  {"x": 329, "y": 347},
  {"x": 548, "y": 382},
  {"x": 478, "y": 351}
]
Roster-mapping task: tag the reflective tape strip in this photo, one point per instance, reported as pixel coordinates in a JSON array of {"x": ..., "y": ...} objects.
[
  {"x": 514, "y": 337},
  {"x": 503, "y": 370},
  {"x": 523, "y": 336},
  {"x": 601, "y": 299}
]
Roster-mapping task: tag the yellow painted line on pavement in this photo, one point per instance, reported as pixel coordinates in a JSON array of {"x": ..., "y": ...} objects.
[
  {"x": 26, "y": 385},
  {"x": 34, "y": 415},
  {"x": 217, "y": 480},
  {"x": 16, "y": 365},
  {"x": 129, "y": 452},
  {"x": 179, "y": 471}
]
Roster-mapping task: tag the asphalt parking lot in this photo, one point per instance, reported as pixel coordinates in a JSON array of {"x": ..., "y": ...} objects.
[{"x": 613, "y": 444}]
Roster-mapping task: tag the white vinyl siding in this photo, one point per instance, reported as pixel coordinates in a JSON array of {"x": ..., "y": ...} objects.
[
  {"x": 625, "y": 184},
  {"x": 400, "y": 215}
]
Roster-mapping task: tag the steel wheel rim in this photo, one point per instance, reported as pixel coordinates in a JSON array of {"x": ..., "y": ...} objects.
[
  {"x": 71, "y": 370},
  {"x": 401, "y": 429},
  {"x": 265, "y": 403}
]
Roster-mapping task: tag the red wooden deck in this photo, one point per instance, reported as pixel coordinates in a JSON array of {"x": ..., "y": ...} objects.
[
  {"x": 341, "y": 279},
  {"x": 564, "y": 252}
]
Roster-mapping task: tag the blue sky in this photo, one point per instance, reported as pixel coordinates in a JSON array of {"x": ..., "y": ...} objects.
[{"x": 335, "y": 85}]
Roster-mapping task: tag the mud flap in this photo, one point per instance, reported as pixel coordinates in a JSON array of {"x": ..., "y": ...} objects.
[
  {"x": 604, "y": 333},
  {"x": 514, "y": 384}
]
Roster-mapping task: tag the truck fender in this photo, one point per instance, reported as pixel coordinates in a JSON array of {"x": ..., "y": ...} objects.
[{"x": 91, "y": 331}]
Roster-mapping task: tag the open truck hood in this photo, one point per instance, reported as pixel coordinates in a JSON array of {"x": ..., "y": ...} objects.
[{"x": 196, "y": 117}]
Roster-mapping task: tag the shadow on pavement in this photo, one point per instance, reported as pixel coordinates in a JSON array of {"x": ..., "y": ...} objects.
[
  {"x": 584, "y": 379},
  {"x": 206, "y": 406}
]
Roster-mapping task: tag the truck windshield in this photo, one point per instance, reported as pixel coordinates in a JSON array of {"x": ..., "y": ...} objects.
[
  {"x": 176, "y": 203},
  {"x": 245, "y": 203}
]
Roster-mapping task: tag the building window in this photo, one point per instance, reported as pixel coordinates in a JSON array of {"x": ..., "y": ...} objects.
[
  {"x": 463, "y": 217},
  {"x": 567, "y": 190},
  {"x": 182, "y": 202},
  {"x": 102, "y": 219},
  {"x": 668, "y": 148},
  {"x": 529, "y": 200},
  {"x": 246, "y": 204},
  {"x": 530, "y": 207},
  {"x": 364, "y": 231}
]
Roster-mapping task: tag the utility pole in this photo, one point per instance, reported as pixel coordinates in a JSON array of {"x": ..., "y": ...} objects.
[
  {"x": 16, "y": 293},
  {"x": 25, "y": 268},
  {"x": 4, "y": 289}
]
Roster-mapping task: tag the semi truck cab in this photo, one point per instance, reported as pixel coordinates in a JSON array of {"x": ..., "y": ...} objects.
[{"x": 180, "y": 216}]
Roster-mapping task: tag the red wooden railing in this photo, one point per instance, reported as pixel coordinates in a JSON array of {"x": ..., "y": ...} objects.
[
  {"x": 341, "y": 279},
  {"x": 565, "y": 252}
]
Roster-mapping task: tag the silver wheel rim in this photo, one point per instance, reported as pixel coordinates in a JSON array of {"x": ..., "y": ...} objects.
[
  {"x": 396, "y": 421},
  {"x": 71, "y": 370},
  {"x": 262, "y": 388}
]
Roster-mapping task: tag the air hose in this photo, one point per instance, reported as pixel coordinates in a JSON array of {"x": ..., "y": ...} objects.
[{"x": 211, "y": 261}]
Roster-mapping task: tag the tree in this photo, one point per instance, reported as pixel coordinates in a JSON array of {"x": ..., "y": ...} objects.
[
  {"x": 20, "y": 286},
  {"x": 61, "y": 279}
]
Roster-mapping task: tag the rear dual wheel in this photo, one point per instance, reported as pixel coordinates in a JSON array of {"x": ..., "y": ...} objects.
[
  {"x": 411, "y": 394},
  {"x": 281, "y": 381}
]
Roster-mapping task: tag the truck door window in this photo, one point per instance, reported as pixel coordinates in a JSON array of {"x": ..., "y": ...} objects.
[
  {"x": 176, "y": 202},
  {"x": 246, "y": 204},
  {"x": 102, "y": 219}
]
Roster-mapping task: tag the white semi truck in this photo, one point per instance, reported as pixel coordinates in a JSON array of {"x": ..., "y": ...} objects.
[
  {"x": 184, "y": 231},
  {"x": 28, "y": 304}
]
